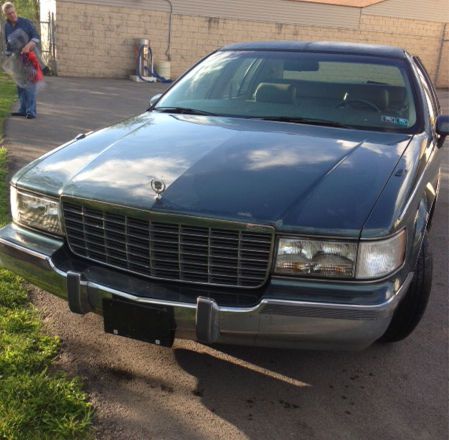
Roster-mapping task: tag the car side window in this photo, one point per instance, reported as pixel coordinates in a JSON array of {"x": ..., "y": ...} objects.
[
  {"x": 429, "y": 91},
  {"x": 430, "y": 103},
  {"x": 429, "y": 82},
  {"x": 428, "y": 97}
]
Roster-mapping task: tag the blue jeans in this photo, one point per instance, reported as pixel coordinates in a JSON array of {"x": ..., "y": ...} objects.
[{"x": 27, "y": 99}]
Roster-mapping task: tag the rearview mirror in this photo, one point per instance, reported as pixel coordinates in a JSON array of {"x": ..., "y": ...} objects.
[
  {"x": 154, "y": 99},
  {"x": 302, "y": 64}
]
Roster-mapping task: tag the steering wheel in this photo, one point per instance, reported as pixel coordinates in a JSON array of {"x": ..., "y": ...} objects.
[{"x": 359, "y": 103}]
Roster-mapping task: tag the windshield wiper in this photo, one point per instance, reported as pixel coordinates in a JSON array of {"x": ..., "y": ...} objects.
[
  {"x": 311, "y": 121},
  {"x": 183, "y": 110}
]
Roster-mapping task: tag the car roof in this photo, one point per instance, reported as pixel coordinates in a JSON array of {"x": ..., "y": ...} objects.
[{"x": 322, "y": 46}]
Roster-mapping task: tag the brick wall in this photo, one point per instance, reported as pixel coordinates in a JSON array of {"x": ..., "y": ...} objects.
[{"x": 98, "y": 41}]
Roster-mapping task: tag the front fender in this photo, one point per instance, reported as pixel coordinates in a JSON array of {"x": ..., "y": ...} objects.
[
  {"x": 417, "y": 233},
  {"x": 408, "y": 197}
]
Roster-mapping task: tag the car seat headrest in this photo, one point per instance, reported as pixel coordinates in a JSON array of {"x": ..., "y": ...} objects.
[{"x": 276, "y": 93}]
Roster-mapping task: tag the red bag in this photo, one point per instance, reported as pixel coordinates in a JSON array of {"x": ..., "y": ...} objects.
[{"x": 33, "y": 67}]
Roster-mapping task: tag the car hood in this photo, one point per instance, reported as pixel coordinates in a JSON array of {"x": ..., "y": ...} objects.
[{"x": 300, "y": 178}]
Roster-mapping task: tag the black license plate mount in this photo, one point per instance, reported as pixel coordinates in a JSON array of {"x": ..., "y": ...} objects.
[{"x": 149, "y": 323}]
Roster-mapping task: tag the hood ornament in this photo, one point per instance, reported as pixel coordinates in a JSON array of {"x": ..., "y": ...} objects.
[{"x": 158, "y": 186}]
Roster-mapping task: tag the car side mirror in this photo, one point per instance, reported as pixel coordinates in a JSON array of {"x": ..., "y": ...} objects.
[
  {"x": 154, "y": 99},
  {"x": 442, "y": 128}
]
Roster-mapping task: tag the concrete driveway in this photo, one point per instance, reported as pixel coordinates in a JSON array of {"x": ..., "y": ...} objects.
[{"x": 195, "y": 392}]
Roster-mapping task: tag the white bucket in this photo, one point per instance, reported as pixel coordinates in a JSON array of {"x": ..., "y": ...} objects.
[{"x": 163, "y": 68}]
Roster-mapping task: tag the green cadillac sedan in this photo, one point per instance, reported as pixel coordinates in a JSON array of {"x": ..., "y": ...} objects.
[{"x": 277, "y": 194}]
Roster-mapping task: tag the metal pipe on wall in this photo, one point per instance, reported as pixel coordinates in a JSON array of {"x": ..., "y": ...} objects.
[
  {"x": 167, "y": 52},
  {"x": 440, "y": 55}
]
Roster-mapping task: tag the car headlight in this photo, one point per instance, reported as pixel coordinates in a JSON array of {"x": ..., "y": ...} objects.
[
  {"x": 335, "y": 259},
  {"x": 316, "y": 258},
  {"x": 35, "y": 211}
]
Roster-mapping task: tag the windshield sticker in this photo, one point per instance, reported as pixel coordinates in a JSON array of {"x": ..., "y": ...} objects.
[{"x": 394, "y": 120}]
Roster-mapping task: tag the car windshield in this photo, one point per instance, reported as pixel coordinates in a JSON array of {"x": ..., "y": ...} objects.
[{"x": 318, "y": 88}]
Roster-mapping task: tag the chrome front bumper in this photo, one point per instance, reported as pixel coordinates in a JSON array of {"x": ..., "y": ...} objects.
[{"x": 272, "y": 322}]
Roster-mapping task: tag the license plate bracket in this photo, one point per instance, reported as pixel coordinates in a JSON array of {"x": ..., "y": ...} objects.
[{"x": 149, "y": 323}]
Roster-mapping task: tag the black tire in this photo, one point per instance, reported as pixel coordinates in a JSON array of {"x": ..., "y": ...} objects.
[{"x": 411, "y": 308}]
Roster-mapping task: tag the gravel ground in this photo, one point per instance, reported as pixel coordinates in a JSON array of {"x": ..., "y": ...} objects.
[{"x": 142, "y": 391}]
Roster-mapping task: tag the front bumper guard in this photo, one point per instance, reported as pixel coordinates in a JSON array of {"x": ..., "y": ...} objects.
[{"x": 272, "y": 322}]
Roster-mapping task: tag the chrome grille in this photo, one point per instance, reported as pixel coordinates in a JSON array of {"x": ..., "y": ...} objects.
[{"x": 186, "y": 252}]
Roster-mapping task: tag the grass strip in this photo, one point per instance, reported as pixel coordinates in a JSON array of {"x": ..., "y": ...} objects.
[
  {"x": 7, "y": 97},
  {"x": 4, "y": 202},
  {"x": 34, "y": 404}
]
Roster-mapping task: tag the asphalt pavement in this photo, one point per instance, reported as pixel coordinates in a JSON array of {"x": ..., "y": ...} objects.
[{"x": 397, "y": 391}]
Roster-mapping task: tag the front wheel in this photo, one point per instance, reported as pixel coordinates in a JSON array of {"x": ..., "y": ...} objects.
[{"x": 411, "y": 308}]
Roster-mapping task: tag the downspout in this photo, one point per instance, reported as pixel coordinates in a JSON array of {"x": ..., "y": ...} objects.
[
  {"x": 440, "y": 56},
  {"x": 167, "y": 52}
]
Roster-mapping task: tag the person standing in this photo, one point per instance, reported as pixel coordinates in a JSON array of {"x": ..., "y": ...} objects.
[{"x": 27, "y": 95}]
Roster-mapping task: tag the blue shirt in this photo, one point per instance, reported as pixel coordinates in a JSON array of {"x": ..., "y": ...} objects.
[{"x": 25, "y": 25}]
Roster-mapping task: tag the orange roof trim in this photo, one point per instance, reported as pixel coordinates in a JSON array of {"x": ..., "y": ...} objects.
[{"x": 352, "y": 3}]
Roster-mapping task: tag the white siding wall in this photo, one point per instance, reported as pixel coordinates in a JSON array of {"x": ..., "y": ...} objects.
[
  {"x": 278, "y": 11},
  {"x": 427, "y": 10}
]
